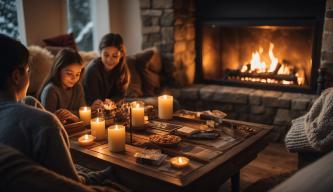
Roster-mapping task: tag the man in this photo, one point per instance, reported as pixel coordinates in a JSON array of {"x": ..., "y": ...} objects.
[{"x": 37, "y": 134}]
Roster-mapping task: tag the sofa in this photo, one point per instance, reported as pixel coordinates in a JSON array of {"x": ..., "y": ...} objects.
[{"x": 145, "y": 68}]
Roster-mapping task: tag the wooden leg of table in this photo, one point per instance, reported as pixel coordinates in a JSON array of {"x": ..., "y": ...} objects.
[{"x": 235, "y": 180}]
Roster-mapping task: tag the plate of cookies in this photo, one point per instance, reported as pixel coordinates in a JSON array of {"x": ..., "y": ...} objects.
[{"x": 165, "y": 140}]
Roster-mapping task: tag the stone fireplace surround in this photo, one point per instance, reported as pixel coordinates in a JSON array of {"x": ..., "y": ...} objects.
[{"x": 169, "y": 25}]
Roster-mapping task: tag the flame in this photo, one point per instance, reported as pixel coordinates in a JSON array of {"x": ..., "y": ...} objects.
[{"x": 258, "y": 65}]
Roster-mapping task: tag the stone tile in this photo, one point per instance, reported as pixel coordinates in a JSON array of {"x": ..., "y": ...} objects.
[
  {"x": 300, "y": 104},
  {"x": 180, "y": 33},
  {"x": 190, "y": 93},
  {"x": 255, "y": 98},
  {"x": 327, "y": 37},
  {"x": 162, "y": 4},
  {"x": 180, "y": 46},
  {"x": 258, "y": 109},
  {"x": 207, "y": 92},
  {"x": 283, "y": 117},
  {"x": 152, "y": 29},
  {"x": 270, "y": 98},
  {"x": 167, "y": 34},
  {"x": 144, "y": 3},
  {"x": 150, "y": 12},
  {"x": 227, "y": 95},
  {"x": 297, "y": 113},
  {"x": 167, "y": 18}
]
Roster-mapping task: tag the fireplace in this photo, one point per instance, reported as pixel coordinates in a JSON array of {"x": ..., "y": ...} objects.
[{"x": 273, "y": 45}]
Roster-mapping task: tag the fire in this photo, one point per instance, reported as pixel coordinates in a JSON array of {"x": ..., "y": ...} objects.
[{"x": 272, "y": 71}]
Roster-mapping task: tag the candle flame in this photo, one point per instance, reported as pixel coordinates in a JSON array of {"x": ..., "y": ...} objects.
[
  {"x": 86, "y": 137},
  {"x": 180, "y": 160},
  {"x": 116, "y": 127},
  {"x": 165, "y": 96}
]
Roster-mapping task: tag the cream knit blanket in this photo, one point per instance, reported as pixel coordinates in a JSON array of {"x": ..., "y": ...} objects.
[{"x": 314, "y": 130}]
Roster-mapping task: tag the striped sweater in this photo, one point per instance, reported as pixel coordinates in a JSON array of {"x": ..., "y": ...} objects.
[{"x": 314, "y": 130}]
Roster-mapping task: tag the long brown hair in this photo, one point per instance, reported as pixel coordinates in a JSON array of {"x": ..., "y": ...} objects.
[
  {"x": 115, "y": 40},
  {"x": 64, "y": 58}
]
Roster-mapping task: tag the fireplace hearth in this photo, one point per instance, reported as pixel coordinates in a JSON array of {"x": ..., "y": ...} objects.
[{"x": 270, "y": 45}]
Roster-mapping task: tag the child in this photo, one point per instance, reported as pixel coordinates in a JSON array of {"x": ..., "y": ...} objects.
[
  {"x": 107, "y": 77},
  {"x": 62, "y": 92}
]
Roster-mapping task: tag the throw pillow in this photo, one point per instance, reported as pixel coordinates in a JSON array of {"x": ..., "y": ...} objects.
[
  {"x": 135, "y": 86},
  {"x": 41, "y": 61},
  {"x": 64, "y": 40}
]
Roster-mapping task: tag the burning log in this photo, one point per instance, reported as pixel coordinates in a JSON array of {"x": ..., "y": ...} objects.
[{"x": 231, "y": 74}]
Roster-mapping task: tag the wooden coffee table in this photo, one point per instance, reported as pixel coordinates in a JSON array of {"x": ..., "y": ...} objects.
[{"x": 212, "y": 162}]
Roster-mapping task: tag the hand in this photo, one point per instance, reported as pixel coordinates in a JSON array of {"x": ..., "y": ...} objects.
[
  {"x": 97, "y": 104},
  {"x": 65, "y": 116}
]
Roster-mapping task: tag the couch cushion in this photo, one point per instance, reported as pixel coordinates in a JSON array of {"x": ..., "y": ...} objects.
[
  {"x": 64, "y": 40},
  {"x": 41, "y": 61}
]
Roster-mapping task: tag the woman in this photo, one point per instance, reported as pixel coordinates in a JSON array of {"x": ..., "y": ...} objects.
[
  {"x": 62, "y": 93},
  {"x": 107, "y": 77}
]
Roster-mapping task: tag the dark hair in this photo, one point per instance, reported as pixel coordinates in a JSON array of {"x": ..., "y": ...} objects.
[
  {"x": 112, "y": 40},
  {"x": 13, "y": 55},
  {"x": 64, "y": 58}
]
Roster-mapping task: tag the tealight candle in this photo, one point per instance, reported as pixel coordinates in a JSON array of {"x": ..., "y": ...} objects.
[
  {"x": 86, "y": 140},
  {"x": 165, "y": 107},
  {"x": 116, "y": 138},
  {"x": 98, "y": 128},
  {"x": 137, "y": 115},
  {"x": 179, "y": 162},
  {"x": 85, "y": 114}
]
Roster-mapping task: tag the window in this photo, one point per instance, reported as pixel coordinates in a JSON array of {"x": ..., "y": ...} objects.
[
  {"x": 80, "y": 23},
  {"x": 89, "y": 21}
]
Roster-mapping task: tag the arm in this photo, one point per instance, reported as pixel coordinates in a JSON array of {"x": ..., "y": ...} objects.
[
  {"x": 54, "y": 153},
  {"x": 49, "y": 99},
  {"x": 21, "y": 174}
]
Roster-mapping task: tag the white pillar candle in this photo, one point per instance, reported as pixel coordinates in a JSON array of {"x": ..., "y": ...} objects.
[
  {"x": 98, "y": 128},
  {"x": 165, "y": 107},
  {"x": 85, "y": 114},
  {"x": 137, "y": 115},
  {"x": 116, "y": 138}
]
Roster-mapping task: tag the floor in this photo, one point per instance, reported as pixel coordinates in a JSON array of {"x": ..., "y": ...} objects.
[{"x": 273, "y": 160}]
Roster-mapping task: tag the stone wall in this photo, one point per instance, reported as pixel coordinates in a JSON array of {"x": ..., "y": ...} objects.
[
  {"x": 327, "y": 44},
  {"x": 169, "y": 25},
  {"x": 259, "y": 106}
]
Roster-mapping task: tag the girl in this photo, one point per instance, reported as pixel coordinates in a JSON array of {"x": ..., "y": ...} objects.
[
  {"x": 107, "y": 77},
  {"x": 62, "y": 92}
]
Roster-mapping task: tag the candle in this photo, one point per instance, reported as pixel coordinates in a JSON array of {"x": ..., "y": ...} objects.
[
  {"x": 86, "y": 140},
  {"x": 179, "y": 162},
  {"x": 165, "y": 107},
  {"x": 98, "y": 128},
  {"x": 137, "y": 115},
  {"x": 116, "y": 138},
  {"x": 85, "y": 114}
]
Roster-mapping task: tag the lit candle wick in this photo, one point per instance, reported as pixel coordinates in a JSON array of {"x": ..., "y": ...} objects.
[{"x": 86, "y": 137}]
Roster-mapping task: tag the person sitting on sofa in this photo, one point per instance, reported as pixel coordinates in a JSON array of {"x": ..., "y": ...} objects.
[
  {"x": 313, "y": 132},
  {"x": 62, "y": 92},
  {"x": 107, "y": 77},
  {"x": 23, "y": 127}
]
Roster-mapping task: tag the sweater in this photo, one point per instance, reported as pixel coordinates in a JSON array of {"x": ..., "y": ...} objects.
[
  {"x": 101, "y": 84},
  {"x": 314, "y": 130},
  {"x": 19, "y": 173},
  {"x": 54, "y": 97},
  {"x": 37, "y": 134}
]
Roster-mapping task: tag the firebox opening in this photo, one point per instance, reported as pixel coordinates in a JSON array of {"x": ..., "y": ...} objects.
[{"x": 272, "y": 55}]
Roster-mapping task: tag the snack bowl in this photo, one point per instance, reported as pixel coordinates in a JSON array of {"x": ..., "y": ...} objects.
[{"x": 165, "y": 140}]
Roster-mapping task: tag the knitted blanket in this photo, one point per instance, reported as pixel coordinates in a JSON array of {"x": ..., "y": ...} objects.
[{"x": 314, "y": 130}]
